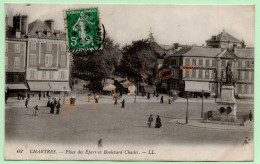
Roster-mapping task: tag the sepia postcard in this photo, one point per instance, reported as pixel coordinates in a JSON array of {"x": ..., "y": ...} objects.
[{"x": 129, "y": 82}]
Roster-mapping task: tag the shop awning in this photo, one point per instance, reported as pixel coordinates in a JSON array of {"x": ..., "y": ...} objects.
[
  {"x": 39, "y": 86},
  {"x": 16, "y": 86},
  {"x": 119, "y": 79},
  {"x": 59, "y": 86},
  {"x": 196, "y": 86},
  {"x": 109, "y": 87}
]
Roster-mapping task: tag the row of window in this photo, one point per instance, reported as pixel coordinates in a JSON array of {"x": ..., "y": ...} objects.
[
  {"x": 200, "y": 74},
  {"x": 33, "y": 47},
  {"x": 240, "y": 89},
  {"x": 245, "y": 89},
  {"x": 213, "y": 63},
  {"x": 33, "y": 75},
  {"x": 17, "y": 62},
  {"x": 32, "y": 61},
  {"x": 245, "y": 75}
]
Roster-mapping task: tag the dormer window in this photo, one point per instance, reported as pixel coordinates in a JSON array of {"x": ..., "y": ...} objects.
[
  {"x": 18, "y": 34},
  {"x": 48, "y": 33},
  {"x": 39, "y": 33}
]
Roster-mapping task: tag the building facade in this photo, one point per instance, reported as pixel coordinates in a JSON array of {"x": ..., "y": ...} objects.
[
  {"x": 209, "y": 70},
  {"x": 45, "y": 62}
]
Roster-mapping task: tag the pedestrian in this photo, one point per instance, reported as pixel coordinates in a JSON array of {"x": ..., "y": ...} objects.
[
  {"x": 89, "y": 97},
  {"x": 169, "y": 100},
  {"x": 40, "y": 95},
  {"x": 58, "y": 108},
  {"x": 52, "y": 107},
  {"x": 100, "y": 143},
  {"x": 35, "y": 109},
  {"x": 115, "y": 103},
  {"x": 150, "y": 120},
  {"x": 71, "y": 100},
  {"x": 148, "y": 95},
  {"x": 96, "y": 100},
  {"x": 157, "y": 96},
  {"x": 162, "y": 99},
  {"x": 158, "y": 123},
  {"x": 154, "y": 94},
  {"x": 6, "y": 97},
  {"x": 28, "y": 96},
  {"x": 26, "y": 102},
  {"x": 250, "y": 115},
  {"x": 49, "y": 102},
  {"x": 123, "y": 103},
  {"x": 76, "y": 82}
]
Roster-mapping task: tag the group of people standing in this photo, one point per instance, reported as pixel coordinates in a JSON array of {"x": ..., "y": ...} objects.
[
  {"x": 54, "y": 104},
  {"x": 158, "y": 122},
  {"x": 123, "y": 102}
]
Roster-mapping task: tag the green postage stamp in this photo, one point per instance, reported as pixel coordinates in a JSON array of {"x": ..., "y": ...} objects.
[{"x": 83, "y": 29}]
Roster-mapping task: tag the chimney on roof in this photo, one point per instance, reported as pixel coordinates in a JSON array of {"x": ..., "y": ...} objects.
[
  {"x": 24, "y": 25},
  {"x": 20, "y": 23},
  {"x": 6, "y": 21},
  {"x": 234, "y": 48},
  {"x": 176, "y": 45},
  {"x": 17, "y": 23},
  {"x": 50, "y": 24},
  {"x": 213, "y": 37}
]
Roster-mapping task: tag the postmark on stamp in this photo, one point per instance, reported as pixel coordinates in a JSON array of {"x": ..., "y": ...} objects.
[{"x": 83, "y": 29}]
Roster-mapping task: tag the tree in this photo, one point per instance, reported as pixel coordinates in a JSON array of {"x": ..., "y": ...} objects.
[
  {"x": 137, "y": 58},
  {"x": 98, "y": 65}
]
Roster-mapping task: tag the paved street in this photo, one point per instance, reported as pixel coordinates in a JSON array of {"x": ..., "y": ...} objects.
[{"x": 117, "y": 125}]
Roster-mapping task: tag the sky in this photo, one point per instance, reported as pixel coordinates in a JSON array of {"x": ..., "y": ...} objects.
[{"x": 184, "y": 24}]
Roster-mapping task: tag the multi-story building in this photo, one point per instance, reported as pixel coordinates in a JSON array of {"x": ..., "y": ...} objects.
[
  {"x": 15, "y": 56},
  {"x": 46, "y": 60},
  {"x": 209, "y": 70},
  {"x": 224, "y": 40}
]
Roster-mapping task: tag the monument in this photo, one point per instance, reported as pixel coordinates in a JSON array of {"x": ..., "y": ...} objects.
[{"x": 227, "y": 104}]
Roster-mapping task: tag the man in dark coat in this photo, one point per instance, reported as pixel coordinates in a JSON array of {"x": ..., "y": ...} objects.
[
  {"x": 148, "y": 95},
  {"x": 150, "y": 120},
  {"x": 49, "y": 102},
  {"x": 158, "y": 123},
  {"x": 52, "y": 107},
  {"x": 250, "y": 115},
  {"x": 123, "y": 103},
  {"x": 40, "y": 95},
  {"x": 162, "y": 99},
  {"x": 115, "y": 101},
  {"x": 58, "y": 108},
  {"x": 26, "y": 102}
]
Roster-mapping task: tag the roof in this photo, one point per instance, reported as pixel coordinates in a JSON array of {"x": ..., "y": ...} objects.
[
  {"x": 245, "y": 52},
  {"x": 33, "y": 29},
  {"x": 166, "y": 47},
  {"x": 202, "y": 52},
  {"x": 214, "y": 52},
  {"x": 40, "y": 26},
  {"x": 224, "y": 36},
  {"x": 155, "y": 47}
]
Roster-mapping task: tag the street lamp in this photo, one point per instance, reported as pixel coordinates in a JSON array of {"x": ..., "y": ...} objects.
[
  {"x": 187, "y": 109},
  {"x": 202, "y": 104},
  {"x": 64, "y": 95},
  {"x": 135, "y": 95}
]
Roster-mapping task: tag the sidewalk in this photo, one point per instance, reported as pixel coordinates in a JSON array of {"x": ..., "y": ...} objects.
[{"x": 197, "y": 123}]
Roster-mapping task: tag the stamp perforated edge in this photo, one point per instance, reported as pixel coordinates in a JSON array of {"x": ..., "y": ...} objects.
[{"x": 66, "y": 32}]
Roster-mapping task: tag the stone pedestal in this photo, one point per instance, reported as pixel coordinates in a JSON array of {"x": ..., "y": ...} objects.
[{"x": 227, "y": 104}]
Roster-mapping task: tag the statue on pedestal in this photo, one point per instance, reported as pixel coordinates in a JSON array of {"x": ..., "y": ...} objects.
[{"x": 229, "y": 74}]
